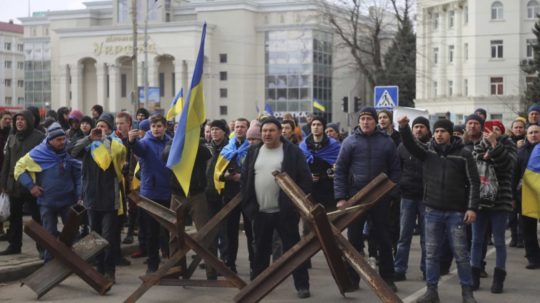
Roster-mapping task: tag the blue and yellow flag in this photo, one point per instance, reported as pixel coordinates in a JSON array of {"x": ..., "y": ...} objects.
[
  {"x": 186, "y": 138},
  {"x": 319, "y": 106},
  {"x": 176, "y": 105},
  {"x": 229, "y": 152},
  {"x": 530, "y": 188}
]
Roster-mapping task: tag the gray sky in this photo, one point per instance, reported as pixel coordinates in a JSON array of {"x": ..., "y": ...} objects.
[{"x": 13, "y": 9}]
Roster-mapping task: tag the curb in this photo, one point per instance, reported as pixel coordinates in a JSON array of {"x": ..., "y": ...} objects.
[{"x": 20, "y": 271}]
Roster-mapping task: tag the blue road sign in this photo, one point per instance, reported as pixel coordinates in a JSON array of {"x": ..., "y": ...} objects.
[{"x": 386, "y": 97}]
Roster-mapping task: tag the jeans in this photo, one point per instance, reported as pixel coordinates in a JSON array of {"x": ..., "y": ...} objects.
[
  {"x": 437, "y": 222},
  {"x": 105, "y": 223},
  {"x": 49, "y": 221},
  {"x": 410, "y": 209},
  {"x": 498, "y": 228},
  {"x": 286, "y": 226}
]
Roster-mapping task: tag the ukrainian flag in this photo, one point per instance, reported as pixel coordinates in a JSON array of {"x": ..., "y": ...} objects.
[
  {"x": 319, "y": 106},
  {"x": 186, "y": 138},
  {"x": 530, "y": 189},
  {"x": 176, "y": 105}
]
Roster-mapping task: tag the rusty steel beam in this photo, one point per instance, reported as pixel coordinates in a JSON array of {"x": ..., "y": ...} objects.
[
  {"x": 309, "y": 245},
  {"x": 197, "y": 283},
  {"x": 168, "y": 219},
  {"x": 71, "y": 226},
  {"x": 54, "y": 272},
  {"x": 63, "y": 253}
]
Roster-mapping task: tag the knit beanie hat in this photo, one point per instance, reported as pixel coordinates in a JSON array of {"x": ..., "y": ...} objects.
[
  {"x": 421, "y": 120},
  {"x": 320, "y": 119},
  {"x": 254, "y": 130},
  {"x": 481, "y": 111},
  {"x": 54, "y": 131},
  {"x": 76, "y": 115},
  {"x": 368, "y": 110},
  {"x": 444, "y": 123},
  {"x": 220, "y": 124},
  {"x": 476, "y": 118},
  {"x": 497, "y": 123},
  {"x": 107, "y": 118},
  {"x": 460, "y": 128},
  {"x": 333, "y": 126},
  {"x": 271, "y": 119},
  {"x": 145, "y": 125},
  {"x": 534, "y": 108}
]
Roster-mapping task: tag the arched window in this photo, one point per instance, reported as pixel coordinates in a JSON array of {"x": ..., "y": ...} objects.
[
  {"x": 496, "y": 11},
  {"x": 533, "y": 9}
]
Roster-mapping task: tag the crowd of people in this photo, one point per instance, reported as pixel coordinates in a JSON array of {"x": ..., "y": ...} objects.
[{"x": 458, "y": 187}]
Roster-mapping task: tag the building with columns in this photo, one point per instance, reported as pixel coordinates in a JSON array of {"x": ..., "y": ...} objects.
[
  {"x": 470, "y": 55},
  {"x": 11, "y": 64},
  {"x": 280, "y": 52}
]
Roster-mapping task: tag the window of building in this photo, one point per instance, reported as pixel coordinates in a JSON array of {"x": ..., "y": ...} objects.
[
  {"x": 223, "y": 93},
  {"x": 533, "y": 9},
  {"x": 497, "y": 86},
  {"x": 20, "y": 83},
  {"x": 496, "y": 11},
  {"x": 7, "y": 46},
  {"x": 20, "y": 100},
  {"x": 20, "y": 47},
  {"x": 223, "y": 110},
  {"x": 434, "y": 88},
  {"x": 222, "y": 58},
  {"x": 435, "y": 55},
  {"x": 435, "y": 21},
  {"x": 123, "y": 85},
  {"x": 450, "y": 88},
  {"x": 530, "y": 48},
  {"x": 450, "y": 53},
  {"x": 223, "y": 76},
  {"x": 8, "y": 100},
  {"x": 465, "y": 87},
  {"x": 7, "y": 82},
  {"x": 451, "y": 17},
  {"x": 20, "y": 65},
  {"x": 465, "y": 15},
  {"x": 7, "y": 64},
  {"x": 162, "y": 84},
  {"x": 496, "y": 49},
  {"x": 466, "y": 51},
  {"x": 496, "y": 117}
]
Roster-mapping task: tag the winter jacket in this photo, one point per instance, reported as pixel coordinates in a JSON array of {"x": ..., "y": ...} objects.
[
  {"x": 523, "y": 155},
  {"x": 61, "y": 183},
  {"x": 4, "y": 134},
  {"x": 294, "y": 164},
  {"x": 155, "y": 182},
  {"x": 411, "y": 182},
  {"x": 362, "y": 158},
  {"x": 17, "y": 145},
  {"x": 198, "y": 176},
  {"x": 211, "y": 193},
  {"x": 503, "y": 159},
  {"x": 451, "y": 181},
  {"x": 100, "y": 188}
]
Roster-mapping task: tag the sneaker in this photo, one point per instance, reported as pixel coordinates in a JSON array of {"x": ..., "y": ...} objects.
[
  {"x": 110, "y": 276},
  {"x": 123, "y": 262},
  {"x": 430, "y": 296},
  {"x": 138, "y": 254},
  {"x": 533, "y": 265},
  {"x": 303, "y": 293},
  {"x": 3, "y": 237},
  {"x": 399, "y": 276},
  {"x": 10, "y": 250},
  {"x": 391, "y": 285},
  {"x": 128, "y": 239}
]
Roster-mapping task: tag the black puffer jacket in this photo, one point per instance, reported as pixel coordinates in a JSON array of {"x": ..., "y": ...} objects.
[
  {"x": 411, "y": 183},
  {"x": 17, "y": 145},
  {"x": 503, "y": 158},
  {"x": 294, "y": 164},
  {"x": 451, "y": 181}
]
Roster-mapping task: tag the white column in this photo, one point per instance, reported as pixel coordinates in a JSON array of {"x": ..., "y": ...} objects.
[
  {"x": 64, "y": 85},
  {"x": 153, "y": 73},
  {"x": 101, "y": 77},
  {"x": 114, "y": 88},
  {"x": 458, "y": 75},
  {"x": 77, "y": 71}
]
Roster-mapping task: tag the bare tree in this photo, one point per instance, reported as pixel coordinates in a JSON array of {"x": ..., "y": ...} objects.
[{"x": 365, "y": 29}]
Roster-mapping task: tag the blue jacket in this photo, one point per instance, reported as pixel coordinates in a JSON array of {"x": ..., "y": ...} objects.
[
  {"x": 361, "y": 159},
  {"x": 61, "y": 185},
  {"x": 155, "y": 176}
]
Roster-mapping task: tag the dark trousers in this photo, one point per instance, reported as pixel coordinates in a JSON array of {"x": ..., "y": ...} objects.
[
  {"x": 379, "y": 230},
  {"x": 154, "y": 237},
  {"x": 530, "y": 239},
  {"x": 231, "y": 229},
  {"x": 286, "y": 225},
  {"x": 16, "y": 219},
  {"x": 49, "y": 219},
  {"x": 105, "y": 223}
]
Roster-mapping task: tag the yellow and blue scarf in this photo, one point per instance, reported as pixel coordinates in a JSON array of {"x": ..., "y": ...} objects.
[
  {"x": 530, "y": 190},
  {"x": 229, "y": 152}
]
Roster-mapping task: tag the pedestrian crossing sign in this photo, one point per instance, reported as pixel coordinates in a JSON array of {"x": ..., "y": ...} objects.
[{"x": 386, "y": 97}]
